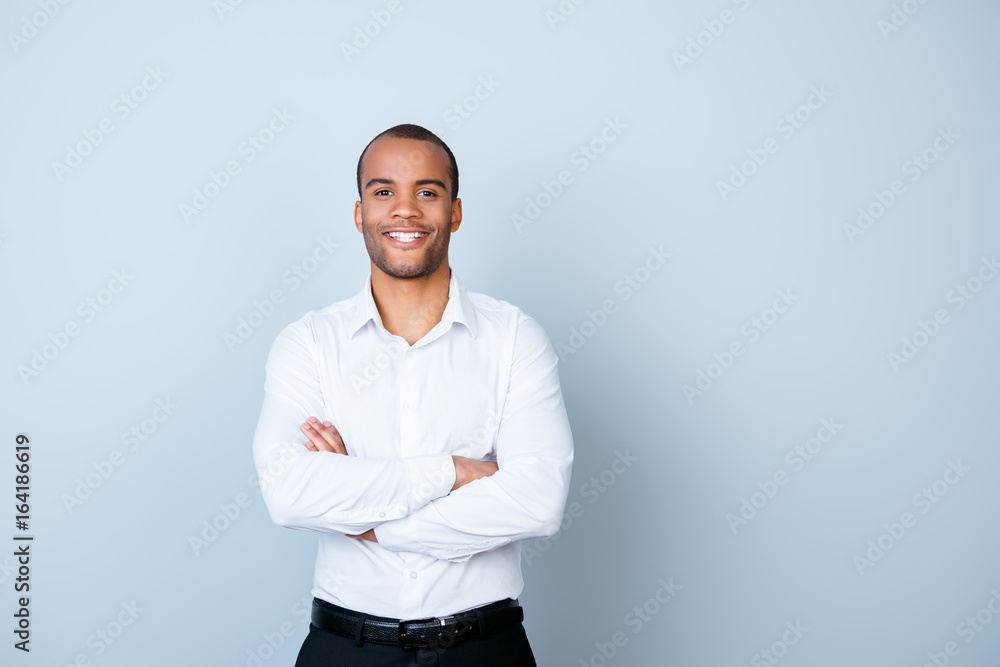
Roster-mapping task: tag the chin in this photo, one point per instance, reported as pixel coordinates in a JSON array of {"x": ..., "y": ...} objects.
[{"x": 406, "y": 271}]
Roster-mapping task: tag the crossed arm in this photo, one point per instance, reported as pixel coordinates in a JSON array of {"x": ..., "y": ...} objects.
[
  {"x": 324, "y": 437},
  {"x": 448, "y": 507}
]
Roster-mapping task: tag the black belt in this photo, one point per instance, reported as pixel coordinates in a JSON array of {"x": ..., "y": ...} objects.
[{"x": 423, "y": 633}]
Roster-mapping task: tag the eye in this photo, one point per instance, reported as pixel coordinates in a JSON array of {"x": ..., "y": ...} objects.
[
  {"x": 378, "y": 192},
  {"x": 431, "y": 193}
]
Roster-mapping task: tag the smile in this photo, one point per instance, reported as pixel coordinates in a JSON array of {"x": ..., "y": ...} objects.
[{"x": 406, "y": 238}]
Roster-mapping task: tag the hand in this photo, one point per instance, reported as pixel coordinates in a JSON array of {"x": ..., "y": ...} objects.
[
  {"x": 469, "y": 470},
  {"x": 368, "y": 535},
  {"x": 323, "y": 437}
]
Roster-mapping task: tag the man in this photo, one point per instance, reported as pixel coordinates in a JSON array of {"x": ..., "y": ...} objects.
[{"x": 436, "y": 438}]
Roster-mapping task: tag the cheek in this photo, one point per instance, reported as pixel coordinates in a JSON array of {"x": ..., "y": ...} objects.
[
  {"x": 370, "y": 224},
  {"x": 440, "y": 211}
]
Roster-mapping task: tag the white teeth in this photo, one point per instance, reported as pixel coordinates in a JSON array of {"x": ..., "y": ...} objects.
[{"x": 407, "y": 236}]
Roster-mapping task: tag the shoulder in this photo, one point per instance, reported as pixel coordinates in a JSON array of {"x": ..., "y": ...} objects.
[
  {"x": 318, "y": 324},
  {"x": 494, "y": 310},
  {"x": 506, "y": 318}
]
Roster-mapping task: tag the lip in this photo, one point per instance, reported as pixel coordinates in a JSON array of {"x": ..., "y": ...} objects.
[{"x": 406, "y": 244}]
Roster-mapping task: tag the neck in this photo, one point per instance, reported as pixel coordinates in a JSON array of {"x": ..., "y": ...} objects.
[{"x": 410, "y": 307}]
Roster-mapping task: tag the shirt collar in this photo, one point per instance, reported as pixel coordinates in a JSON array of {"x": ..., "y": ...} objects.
[{"x": 458, "y": 309}]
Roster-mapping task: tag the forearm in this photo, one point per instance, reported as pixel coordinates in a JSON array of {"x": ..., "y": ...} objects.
[
  {"x": 527, "y": 496},
  {"x": 523, "y": 500},
  {"x": 328, "y": 492}
]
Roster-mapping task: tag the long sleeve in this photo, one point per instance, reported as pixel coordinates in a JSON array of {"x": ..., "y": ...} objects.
[
  {"x": 526, "y": 497},
  {"x": 324, "y": 491}
]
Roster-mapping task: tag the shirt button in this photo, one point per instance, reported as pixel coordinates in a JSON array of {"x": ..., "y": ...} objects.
[
  {"x": 408, "y": 405},
  {"x": 413, "y": 575},
  {"x": 381, "y": 514}
]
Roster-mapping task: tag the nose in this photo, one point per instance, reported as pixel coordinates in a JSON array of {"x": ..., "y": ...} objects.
[{"x": 405, "y": 206}]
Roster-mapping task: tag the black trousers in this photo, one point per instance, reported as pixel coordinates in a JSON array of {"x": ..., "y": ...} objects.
[{"x": 506, "y": 648}]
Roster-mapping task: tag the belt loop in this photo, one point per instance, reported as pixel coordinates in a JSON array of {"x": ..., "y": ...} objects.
[
  {"x": 360, "y": 629},
  {"x": 482, "y": 623}
]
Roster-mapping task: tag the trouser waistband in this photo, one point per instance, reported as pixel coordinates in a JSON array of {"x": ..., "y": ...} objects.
[{"x": 422, "y": 633}]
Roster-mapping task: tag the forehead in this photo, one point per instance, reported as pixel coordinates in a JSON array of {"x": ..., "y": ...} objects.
[{"x": 405, "y": 159}]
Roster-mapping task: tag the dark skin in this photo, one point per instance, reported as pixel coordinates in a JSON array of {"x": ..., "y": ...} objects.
[{"x": 405, "y": 186}]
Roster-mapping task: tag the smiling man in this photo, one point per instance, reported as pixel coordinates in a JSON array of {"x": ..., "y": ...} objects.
[{"x": 420, "y": 430}]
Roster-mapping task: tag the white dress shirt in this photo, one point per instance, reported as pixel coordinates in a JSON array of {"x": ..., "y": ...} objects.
[{"x": 482, "y": 383}]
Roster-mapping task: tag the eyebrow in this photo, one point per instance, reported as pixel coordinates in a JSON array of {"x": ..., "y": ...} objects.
[{"x": 423, "y": 181}]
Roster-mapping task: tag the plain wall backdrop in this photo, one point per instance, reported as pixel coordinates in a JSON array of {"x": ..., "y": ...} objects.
[{"x": 762, "y": 236}]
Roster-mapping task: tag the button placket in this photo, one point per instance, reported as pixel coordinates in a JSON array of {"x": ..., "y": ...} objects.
[{"x": 407, "y": 417}]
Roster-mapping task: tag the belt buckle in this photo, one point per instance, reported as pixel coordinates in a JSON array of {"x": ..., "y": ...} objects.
[{"x": 411, "y": 638}]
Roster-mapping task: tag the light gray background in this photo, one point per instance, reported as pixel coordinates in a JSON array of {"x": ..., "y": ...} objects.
[{"x": 665, "y": 516}]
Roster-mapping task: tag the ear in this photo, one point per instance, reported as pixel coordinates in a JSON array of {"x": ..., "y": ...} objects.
[
  {"x": 357, "y": 216},
  {"x": 456, "y": 214}
]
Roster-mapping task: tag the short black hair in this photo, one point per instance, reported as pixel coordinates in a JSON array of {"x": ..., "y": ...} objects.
[{"x": 409, "y": 131}]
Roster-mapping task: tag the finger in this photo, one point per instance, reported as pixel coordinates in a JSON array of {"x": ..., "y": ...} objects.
[
  {"x": 310, "y": 445},
  {"x": 338, "y": 440},
  {"x": 330, "y": 436},
  {"x": 316, "y": 438}
]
